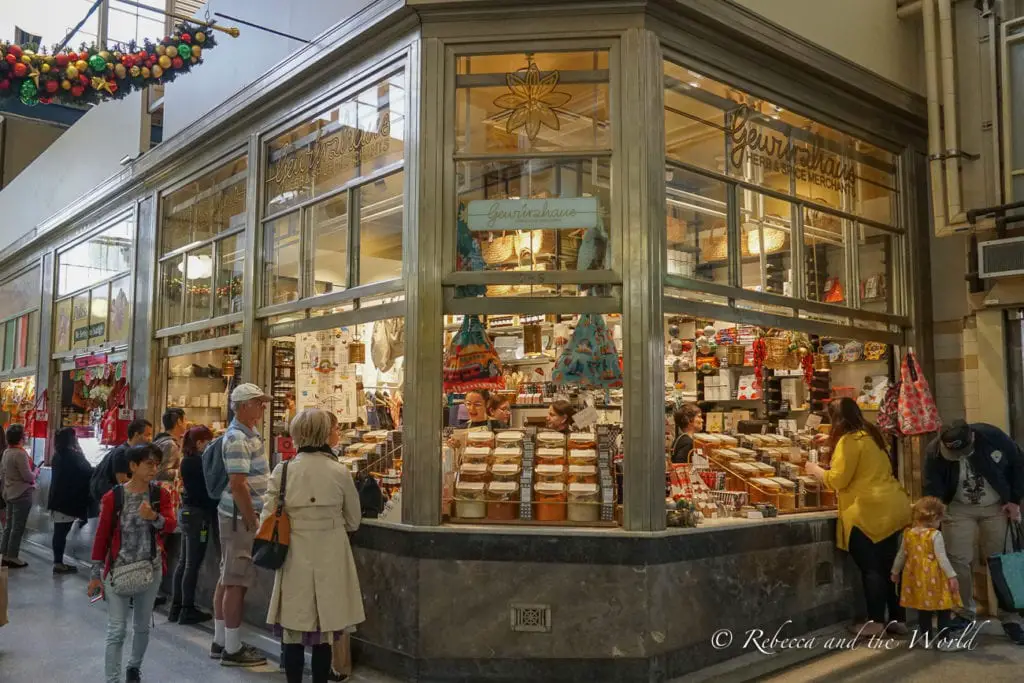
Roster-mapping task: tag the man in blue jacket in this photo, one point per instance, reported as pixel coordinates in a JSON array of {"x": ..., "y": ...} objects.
[{"x": 977, "y": 470}]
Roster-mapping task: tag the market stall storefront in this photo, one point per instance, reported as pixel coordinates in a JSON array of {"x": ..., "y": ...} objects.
[
  {"x": 92, "y": 313},
  {"x": 19, "y": 328},
  {"x": 503, "y": 264}
]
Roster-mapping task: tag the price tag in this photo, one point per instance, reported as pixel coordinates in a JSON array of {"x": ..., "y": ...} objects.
[
  {"x": 813, "y": 421},
  {"x": 125, "y": 414},
  {"x": 586, "y": 417},
  {"x": 812, "y": 455}
]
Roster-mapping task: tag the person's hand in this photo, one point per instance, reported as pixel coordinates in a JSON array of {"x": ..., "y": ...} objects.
[
  {"x": 1012, "y": 512},
  {"x": 95, "y": 586},
  {"x": 954, "y": 586},
  {"x": 252, "y": 522},
  {"x": 814, "y": 469},
  {"x": 146, "y": 512},
  {"x": 894, "y": 577}
]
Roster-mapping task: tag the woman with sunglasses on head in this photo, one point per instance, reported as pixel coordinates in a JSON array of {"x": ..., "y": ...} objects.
[
  {"x": 197, "y": 517},
  {"x": 129, "y": 560},
  {"x": 873, "y": 510}
]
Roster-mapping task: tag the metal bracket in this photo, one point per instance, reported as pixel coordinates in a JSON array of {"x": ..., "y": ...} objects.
[{"x": 954, "y": 153}]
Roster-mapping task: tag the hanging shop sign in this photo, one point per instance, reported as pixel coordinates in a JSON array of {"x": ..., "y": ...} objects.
[
  {"x": 574, "y": 213},
  {"x": 91, "y": 360},
  {"x": 90, "y": 332},
  {"x": 811, "y": 163}
]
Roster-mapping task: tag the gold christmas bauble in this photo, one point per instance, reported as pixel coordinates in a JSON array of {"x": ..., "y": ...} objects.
[
  {"x": 161, "y": 49},
  {"x": 105, "y": 55},
  {"x": 65, "y": 84},
  {"x": 145, "y": 72},
  {"x": 71, "y": 72},
  {"x": 194, "y": 60},
  {"x": 26, "y": 58},
  {"x": 81, "y": 65},
  {"x": 45, "y": 68},
  {"x": 196, "y": 50},
  {"x": 135, "y": 71},
  {"x": 200, "y": 37},
  {"x": 120, "y": 71},
  {"x": 157, "y": 71},
  {"x": 165, "y": 62}
]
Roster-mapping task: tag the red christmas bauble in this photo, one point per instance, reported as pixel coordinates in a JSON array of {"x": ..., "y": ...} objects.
[
  {"x": 84, "y": 80},
  {"x": 10, "y": 59},
  {"x": 186, "y": 37},
  {"x": 77, "y": 90},
  {"x": 113, "y": 87},
  {"x": 177, "y": 62},
  {"x": 14, "y": 50},
  {"x": 51, "y": 86},
  {"x": 45, "y": 100},
  {"x": 5, "y": 84},
  {"x": 20, "y": 69},
  {"x": 61, "y": 59}
]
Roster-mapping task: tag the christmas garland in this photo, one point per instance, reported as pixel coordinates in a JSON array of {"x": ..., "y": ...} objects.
[{"x": 93, "y": 75}]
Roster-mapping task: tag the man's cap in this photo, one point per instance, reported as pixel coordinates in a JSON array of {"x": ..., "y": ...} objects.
[
  {"x": 248, "y": 392},
  {"x": 956, "y": 440}
]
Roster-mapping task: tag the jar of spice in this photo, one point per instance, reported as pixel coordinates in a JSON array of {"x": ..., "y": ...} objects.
[{"x": 550, "y": 502}]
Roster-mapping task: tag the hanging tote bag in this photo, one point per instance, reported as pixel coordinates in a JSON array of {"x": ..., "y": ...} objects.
[
  {"x": 888, "y": 411},
  {"x": 471, "y": 361},
  {"x": 270, "y": 547},
  {"x": 1007, "y": 570},
  {"x": 917, "y": 409},
  {"x": 134, "y": 577},
  {"x": 37, "y": 420}
]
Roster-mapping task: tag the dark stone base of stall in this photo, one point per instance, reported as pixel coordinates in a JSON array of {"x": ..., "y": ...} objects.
[{"x": 623, "y": 607}]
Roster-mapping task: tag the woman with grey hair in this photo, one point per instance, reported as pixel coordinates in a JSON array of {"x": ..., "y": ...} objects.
[{"x": 316, "y": 592}]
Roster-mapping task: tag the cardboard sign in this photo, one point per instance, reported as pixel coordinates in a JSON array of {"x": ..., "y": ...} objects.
[{"x": 586, "y": 417}]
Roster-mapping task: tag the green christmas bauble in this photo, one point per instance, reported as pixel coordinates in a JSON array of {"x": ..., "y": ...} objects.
[
  {"x": 29, "y": 93},
  {"x": 97, "y": 63},
  {"x": 184, "y": 50}
]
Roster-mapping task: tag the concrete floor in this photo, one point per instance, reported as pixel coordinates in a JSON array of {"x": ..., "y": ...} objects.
[{"x": 56, "y": 636}]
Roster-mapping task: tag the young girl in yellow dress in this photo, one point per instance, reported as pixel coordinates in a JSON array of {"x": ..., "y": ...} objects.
[{"x": 928, "y": 582}]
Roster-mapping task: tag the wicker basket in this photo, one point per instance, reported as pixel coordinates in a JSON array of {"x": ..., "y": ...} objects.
[
  {"x": 357, "y": 352},
  {"x": 777, "y": 353},
  {"x": 499, "y": 250},
  {"x": 821, "y": 362},
  {"x": 735, "y": 355},
  {"x": 715, "y": 247}
]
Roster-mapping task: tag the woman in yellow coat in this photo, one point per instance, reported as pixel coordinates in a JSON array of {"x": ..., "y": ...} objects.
[
  {"x": 316, "y": 593},
  {"x": 873, "y": 510}
]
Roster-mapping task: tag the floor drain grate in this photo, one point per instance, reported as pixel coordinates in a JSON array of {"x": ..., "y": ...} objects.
[{"x": 531, "y": 618}]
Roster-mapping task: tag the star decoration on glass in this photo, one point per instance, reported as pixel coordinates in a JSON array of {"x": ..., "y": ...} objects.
[{"x": 532, "y": 100}]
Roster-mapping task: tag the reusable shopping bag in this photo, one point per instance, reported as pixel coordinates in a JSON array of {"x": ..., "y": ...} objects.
[
  {"x": 1007, "y": 570},
  {"x": 471, "y": 361},
  {"x": 917, "y": 409},
  {"x": 270, "y": 546},
  {"x": 590, "y": 358},
  {"x": 888, "y": 410}
]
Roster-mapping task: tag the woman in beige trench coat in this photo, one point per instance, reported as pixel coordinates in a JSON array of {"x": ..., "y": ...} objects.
[{"x": 316, "y": 593}]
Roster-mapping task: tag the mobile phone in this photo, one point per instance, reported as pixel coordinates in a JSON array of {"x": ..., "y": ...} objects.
[{"x": 96, "y": 598}]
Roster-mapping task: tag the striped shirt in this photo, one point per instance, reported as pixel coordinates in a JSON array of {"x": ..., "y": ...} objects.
[{"x": 243, "y": 454}]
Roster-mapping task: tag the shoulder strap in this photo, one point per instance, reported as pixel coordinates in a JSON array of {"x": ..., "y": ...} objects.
[
  {"x": 155, "y": 501},
  {"x": 115, "y": 520},
  {"x": 284, "y": 486}
]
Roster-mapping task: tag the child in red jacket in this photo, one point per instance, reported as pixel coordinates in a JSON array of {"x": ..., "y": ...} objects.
[{"x": 129, "y": 559}]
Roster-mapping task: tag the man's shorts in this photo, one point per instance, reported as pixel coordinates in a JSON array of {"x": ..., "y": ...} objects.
[{"x": 236, "y": 567}]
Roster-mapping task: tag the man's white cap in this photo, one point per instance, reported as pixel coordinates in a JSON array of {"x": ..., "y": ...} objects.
[{"x": 247, "y": 392}]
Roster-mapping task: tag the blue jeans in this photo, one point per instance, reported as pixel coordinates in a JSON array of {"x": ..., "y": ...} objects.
[{"x": 117, "y": 627}]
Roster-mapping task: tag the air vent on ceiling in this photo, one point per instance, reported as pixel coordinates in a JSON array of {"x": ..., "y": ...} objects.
[
  {"x": 1001, "y": 258},
  {"x": 531, "y": 618}
]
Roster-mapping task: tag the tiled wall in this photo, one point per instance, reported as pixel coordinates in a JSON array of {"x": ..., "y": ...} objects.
[{"x": 956, "y": 368}]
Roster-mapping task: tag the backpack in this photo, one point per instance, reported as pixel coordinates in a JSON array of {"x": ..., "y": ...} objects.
[
  {"x": 371, "y": 498},
  {"x": 213, "y": 468},
  {"x": 154, "y": 502},
  {"x": 103, "y": 479}
]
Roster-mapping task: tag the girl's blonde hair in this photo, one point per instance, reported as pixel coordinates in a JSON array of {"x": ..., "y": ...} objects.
[{"x": 928, "y": 510}]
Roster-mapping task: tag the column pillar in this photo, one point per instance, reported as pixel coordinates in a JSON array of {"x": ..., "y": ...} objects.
[
  {"x": 641, "y": 148},
  {"x": 422, "y": 270}
]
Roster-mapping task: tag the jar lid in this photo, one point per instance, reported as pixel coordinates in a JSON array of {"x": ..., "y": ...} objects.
[
  {"x": 478, "y": 451},
  {"x": 505, "y": 468},
  {"x": 551, "y": 438},
  {"x": 582, "y": 437},
  {"x": 473, "y": 468},
  {"x": 503, "y": 486},
  {"x": 550, "y": 469},
  {"x": 507, "y": 452},
  {"x": 470, "y": 486},
  {"x": 549, "y": 487},
  {"x": 510, "y": 437},
  {"x": 582, "y": 469},
  {"x": 581, "y": 488},
  {"x": 550, "y": 453},
  {"x": 583, "y": 454}
]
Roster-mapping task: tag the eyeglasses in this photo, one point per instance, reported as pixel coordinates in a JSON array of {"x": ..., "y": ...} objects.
[{"x": 474, "y": 405}]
